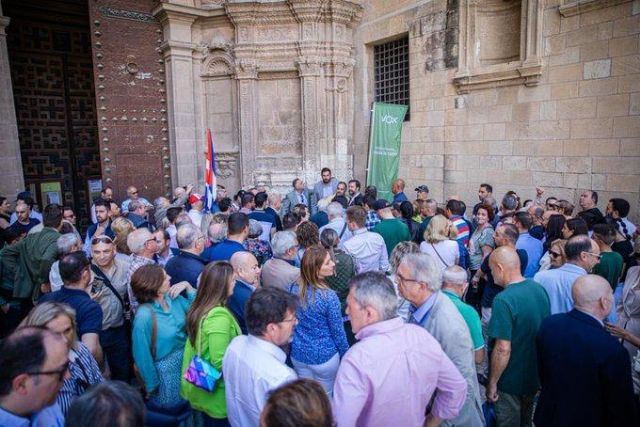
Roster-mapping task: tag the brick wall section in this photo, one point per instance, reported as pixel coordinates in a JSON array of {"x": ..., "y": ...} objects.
[
  {"x": 578, "y": 129},
  {"x": 130, "y": 96}
]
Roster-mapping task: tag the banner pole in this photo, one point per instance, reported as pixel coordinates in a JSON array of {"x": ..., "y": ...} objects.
[{"x": 371, "y": 124}]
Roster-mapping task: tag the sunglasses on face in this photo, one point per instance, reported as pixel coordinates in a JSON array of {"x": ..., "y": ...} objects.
[
  {"x": 60, "y": 372},
  {"x": 554, "y": 254}
]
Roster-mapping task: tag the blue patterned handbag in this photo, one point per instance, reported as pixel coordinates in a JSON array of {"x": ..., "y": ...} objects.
[{"x": 200, "y": 372}]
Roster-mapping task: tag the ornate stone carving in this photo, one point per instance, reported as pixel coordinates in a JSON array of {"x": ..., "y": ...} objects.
[{"x": 227, "y": 164}]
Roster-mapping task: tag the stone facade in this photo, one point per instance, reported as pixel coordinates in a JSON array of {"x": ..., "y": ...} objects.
[
  {"x": 10, "y": 159},
  {"x": 558, "y": 110},
  {"x": 272, "y": 80},
  {"x": 517, "y": 93}
]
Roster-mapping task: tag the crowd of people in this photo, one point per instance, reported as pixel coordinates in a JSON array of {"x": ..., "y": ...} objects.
[{"x": 324, "y": 306}]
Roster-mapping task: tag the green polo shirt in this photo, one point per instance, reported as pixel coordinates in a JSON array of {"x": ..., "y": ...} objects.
[
  {"x": 609, "y": 267},
  {"x": 470, "y": 315},
  {"x": 516, "y": 316},
  {"x": 393, "y": 231}
]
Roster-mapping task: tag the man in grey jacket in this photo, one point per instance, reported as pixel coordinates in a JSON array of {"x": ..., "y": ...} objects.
[
  {"x": 419, "y": 282},
  {"x": 326, "y": 186}
]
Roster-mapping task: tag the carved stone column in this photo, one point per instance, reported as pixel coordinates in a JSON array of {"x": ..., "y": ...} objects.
[
  {"x": 186, "y": 145},
  {"x": 10, "y": 160},
  {"x": 247, "y": 76},
  {"x": 309, "y": 81}
]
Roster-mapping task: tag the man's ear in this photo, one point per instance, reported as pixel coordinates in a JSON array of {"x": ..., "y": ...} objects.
[{"x": 20, "y": 384}]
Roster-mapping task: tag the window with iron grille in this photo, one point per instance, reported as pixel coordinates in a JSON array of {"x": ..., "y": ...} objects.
[{"x": 391, "y": 64}]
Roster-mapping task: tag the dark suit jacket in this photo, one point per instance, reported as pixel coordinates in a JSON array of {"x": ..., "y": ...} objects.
[
  {"x": 585, "y": 375},
  {"x": 185, "y": 267},
  {"x": 238, "y": 302}
]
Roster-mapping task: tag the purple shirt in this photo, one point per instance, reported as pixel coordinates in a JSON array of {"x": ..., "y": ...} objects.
[{"x": 389, "y": 377}]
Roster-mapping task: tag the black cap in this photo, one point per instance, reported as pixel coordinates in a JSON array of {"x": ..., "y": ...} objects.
[
  {"x": 422, "y": 189},
  {"x": 380, "y": 204}
]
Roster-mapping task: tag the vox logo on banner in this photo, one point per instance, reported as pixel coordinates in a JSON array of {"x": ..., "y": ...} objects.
[{"x": 384, "y": 146}]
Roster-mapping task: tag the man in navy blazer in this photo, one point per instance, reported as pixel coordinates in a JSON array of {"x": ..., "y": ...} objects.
[
  {"x": 247, "y": 272},
  {"x": 584, "y": 371}
]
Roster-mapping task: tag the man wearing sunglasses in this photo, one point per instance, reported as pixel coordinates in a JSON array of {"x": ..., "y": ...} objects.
[
  {"x": 582, "y": 255},
  {"x": 34, "y": 364}
]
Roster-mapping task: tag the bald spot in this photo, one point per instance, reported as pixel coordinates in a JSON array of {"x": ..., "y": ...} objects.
[
  {"x": 242, "y": 259},
  {"x": 588, "y": 289},
  {"x": 507, "y": 257}
]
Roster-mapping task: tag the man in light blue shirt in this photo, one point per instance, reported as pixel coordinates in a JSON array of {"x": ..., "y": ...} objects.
[
  {"x": 528, "y": 243},
  {"x": 582, "y": 255},
  {"x": 35, "y": 364}
]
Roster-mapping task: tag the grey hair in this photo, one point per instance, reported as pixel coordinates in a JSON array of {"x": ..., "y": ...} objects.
[
  {"x": 255, "y": 229},
  {"x": 274, "y": 197},
  {"x": 135, "y": 204},
  {"x": 66, "y": 242},
  {"x": 160, "y": 202},
  {"x": 137, "y": 239},
  {"x": 335, "y": 210},
  {"x": 490, "y": 200},
  {"x": 374, "y": 289},
  {"x": 282, "y": 241},
  {"x": 400, "y": 251},
  {"x": 220, "y": 234},
  {"x": 424, "y": 270},
  {"x": 455, "y": 275},
  {"x": 187, "y": 236}
]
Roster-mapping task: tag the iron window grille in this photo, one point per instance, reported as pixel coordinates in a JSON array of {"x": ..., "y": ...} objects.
[{"x": 391, "y": 64}]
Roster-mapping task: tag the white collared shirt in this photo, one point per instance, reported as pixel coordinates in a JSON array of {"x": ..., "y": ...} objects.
[
  {"x": 251, "y": 368},
  {"x": 369, "y": 250}
]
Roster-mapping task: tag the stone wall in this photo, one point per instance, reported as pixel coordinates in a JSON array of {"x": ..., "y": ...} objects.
[
  {"x": 10, "y": 159},
  {"x": 568, "y": 120}
]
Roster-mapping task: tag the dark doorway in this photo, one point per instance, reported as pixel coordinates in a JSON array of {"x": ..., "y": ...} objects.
[{"x": 52, "y": 76}]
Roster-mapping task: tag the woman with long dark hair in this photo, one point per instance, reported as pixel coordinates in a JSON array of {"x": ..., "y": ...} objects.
[
  {"x": 553, "y": 230},
  {"x": 319, "y": 340},
  {"x": 210, "y": 328}
]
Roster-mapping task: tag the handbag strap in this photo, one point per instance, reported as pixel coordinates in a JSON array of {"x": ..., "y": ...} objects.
[
  {"x": 198, "y": 345},
  {"x": 438, "y": 253},
  {"x": 343, "y": 229},
  {"x": 154, "y": 332},
  {"x": 96, "y": 270}
]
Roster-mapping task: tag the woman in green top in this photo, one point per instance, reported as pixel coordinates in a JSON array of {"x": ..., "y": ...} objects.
[{"x": 210, "y": 329}]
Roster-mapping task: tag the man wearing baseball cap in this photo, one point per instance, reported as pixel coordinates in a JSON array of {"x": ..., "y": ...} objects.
[
  {"x": 392, "y": 230},
  {"x": 422, "y": 192},
  {"x": 197, "y": 206}
]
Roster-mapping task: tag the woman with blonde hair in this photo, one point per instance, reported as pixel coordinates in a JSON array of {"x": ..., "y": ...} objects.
[
  {"x": 121, "y": 228},
  {"x": 83, "y": 369},
  {"x": 439, "y": 242},
  {"x": 319, "y": 340},
  {"x": 210, "y": 328}
]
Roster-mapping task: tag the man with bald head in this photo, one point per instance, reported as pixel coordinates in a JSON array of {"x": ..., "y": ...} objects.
[
  {"x": 582, "y": 255},
  {"x": 397, "y": 188},
  {"x": 516, "y": 314},
  {"x": 247, "y": 272},
  {"x": 585, "y": 372}
]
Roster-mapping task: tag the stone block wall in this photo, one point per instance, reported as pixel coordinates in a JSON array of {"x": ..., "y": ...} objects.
[{"x": 578, "y": 128}]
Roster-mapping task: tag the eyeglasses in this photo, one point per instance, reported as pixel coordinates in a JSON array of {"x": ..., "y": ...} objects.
[
  {"x": 554, "y": 254},
  {"x": 60, "y": 372},
  {"x": 101, "y": 239},
  {"x": 153, "y": 239},
  {"x": 293, "y": 319},
  {"x": 598, "y": 256},
  {"x": 400, "y": 279}
]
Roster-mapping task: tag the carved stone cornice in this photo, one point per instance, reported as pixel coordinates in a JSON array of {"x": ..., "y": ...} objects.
[
  {"x": 528, "y": 75},
  {"x": 177, "y": 48},
  {"x": 166, "y": 10},
  {"x": 309, "y": 67},
  {"x": 583, "y": 6},
  {"x": 246, "y": 69}
]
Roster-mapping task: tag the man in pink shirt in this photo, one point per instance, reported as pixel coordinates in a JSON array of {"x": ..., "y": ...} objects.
[{"x": 389, "y": 377}]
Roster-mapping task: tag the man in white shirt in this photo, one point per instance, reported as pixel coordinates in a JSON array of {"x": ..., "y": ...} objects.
[
  {"x": 366, "y": 247},
  {"x": 335, "y": 212},
  {"x": 254, "y": 364}
]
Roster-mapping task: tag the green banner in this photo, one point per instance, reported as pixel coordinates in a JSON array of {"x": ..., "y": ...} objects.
[{"x": 384, "y": 146}]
